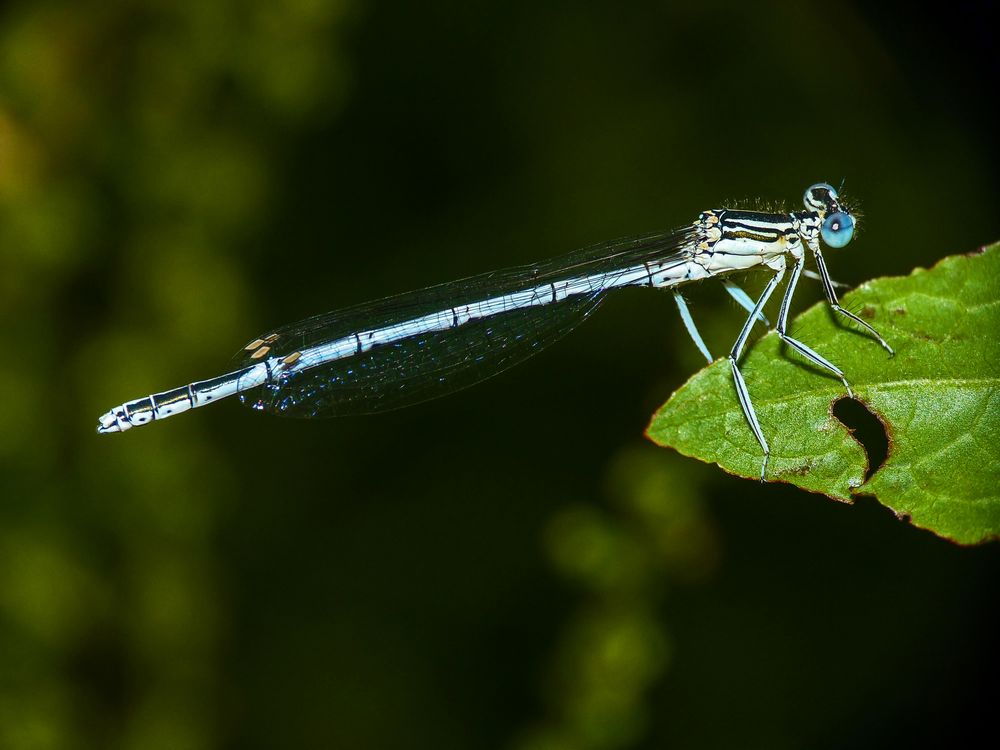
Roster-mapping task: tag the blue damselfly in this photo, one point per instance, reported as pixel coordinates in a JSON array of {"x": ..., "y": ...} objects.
[{"x": 416, "y": 346}]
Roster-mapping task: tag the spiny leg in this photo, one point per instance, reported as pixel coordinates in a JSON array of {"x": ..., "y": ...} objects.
[
  {"x": 692, "y": 330},
  {"x": 741, "y": 387},
  {"x": 816, "y": 277},
  {"x": 831, "y": 295},
  {"x": 797, "y": 345},
  {"x": 743, "y": 299}
]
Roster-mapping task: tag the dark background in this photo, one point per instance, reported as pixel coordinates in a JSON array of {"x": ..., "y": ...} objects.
[{"x": 514, "y": 566}]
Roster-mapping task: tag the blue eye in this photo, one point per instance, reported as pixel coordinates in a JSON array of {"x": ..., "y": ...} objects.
[{"x": 837, "y": 229}]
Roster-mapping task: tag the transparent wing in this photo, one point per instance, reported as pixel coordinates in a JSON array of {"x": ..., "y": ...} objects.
[
  {"x": 432, "y": 364},
  {"x": 420, "y": 368}
]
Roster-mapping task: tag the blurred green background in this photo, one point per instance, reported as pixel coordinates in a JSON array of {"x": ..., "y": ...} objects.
[{"x": 514, "y": 566}]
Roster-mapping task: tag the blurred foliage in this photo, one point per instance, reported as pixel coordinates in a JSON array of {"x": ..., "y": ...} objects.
[
  {"x": 138, "y": 144},
  {"x": 176, "y": 177},
  {"x": 614, "y": 647}
]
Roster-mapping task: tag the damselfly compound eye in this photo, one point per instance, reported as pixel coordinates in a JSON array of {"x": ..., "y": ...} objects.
[{"x": 838, "y": 229}]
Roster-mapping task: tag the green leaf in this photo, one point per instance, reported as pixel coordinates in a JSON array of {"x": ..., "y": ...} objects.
[{"x": 938, "y": 399}]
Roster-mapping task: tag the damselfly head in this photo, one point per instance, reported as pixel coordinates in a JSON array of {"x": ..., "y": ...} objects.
[
  {"x": 838, "y": 224},
  {"x": 821, "y": 198}
]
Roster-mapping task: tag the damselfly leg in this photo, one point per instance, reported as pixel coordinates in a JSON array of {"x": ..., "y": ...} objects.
[
  {"x": 797, "y": 345},
  {"x": 831, "y": 296},
  {"x": 692, "y": 329},
  {"x": 734, "y": 357},
  {"x": 742, "y": 299}
]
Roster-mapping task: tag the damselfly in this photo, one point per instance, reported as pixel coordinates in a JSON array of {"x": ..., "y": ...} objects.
[{"x": 413, "y": 347}]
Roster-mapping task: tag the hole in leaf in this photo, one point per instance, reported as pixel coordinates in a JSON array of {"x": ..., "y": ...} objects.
[{"x": 867, "y": 430}]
